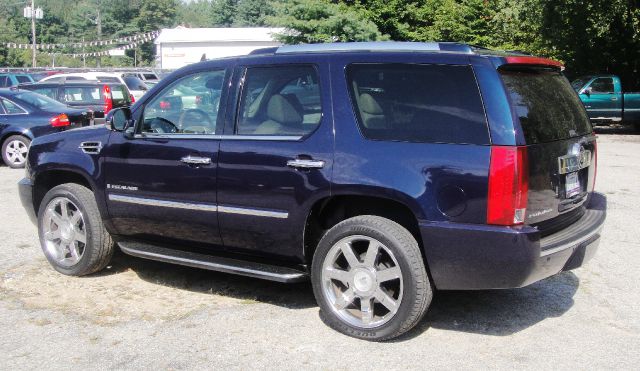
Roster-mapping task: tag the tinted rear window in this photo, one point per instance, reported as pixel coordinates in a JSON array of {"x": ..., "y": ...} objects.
[
  {"x": 418, "y": 103},
  {"x": 547, "y": 106},
  {"x": 134, "y": 83}
]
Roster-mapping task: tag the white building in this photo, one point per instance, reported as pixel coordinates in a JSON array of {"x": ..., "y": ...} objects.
[{"x": 180, "y": 46}]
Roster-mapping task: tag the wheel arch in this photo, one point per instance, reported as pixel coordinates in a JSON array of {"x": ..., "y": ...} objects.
[
  {"x": 329, "y": 211},
  {"x": 15, "y": 131},
  {"x": 46, "y": 179}
]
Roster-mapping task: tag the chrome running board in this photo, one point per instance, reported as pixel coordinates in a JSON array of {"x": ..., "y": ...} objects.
[{"x": 213, "y": 263}]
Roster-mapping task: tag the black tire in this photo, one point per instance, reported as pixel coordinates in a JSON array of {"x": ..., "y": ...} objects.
[
  {"x": 18, "y": 161},
  {"x": 416, "y": 293},
  {"x": 99, "y": 246}
]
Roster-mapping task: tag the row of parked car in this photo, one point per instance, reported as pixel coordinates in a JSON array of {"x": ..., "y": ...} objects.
[{"x": 57, "y": 102}]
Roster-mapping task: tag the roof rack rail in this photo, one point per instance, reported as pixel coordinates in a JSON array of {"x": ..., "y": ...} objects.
[
  {"x": 374, "y": 46},
  {"x": 269, "y": 50}
]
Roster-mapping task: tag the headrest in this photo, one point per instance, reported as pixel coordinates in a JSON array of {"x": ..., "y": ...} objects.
[
  {"x": 368, "y": 104},
  {"x": 280, "y": 110}
]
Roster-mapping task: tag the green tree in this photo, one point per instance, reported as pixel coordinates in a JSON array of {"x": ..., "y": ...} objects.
[
  {"x": 309, "y": 21},
  {"x": 223, "y": 12},
  {"x": 154, "y": 15},
  {"x": 195, "y": 13},
  {"x": 252, "y": 13}
]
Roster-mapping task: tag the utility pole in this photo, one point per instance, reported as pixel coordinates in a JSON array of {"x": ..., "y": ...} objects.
[
  {"x": 99, "y": 29},
  {"x": 33, "y": 32},
  {"x": 33, "y": 13}
]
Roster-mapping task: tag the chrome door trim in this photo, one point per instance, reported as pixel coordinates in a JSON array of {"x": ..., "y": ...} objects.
[
  {"x": 253, "y": 212},
  {"x": 162, "y": 203},
  {"x": 288, "y": 138},
  {"x": 198, "y": 206}
]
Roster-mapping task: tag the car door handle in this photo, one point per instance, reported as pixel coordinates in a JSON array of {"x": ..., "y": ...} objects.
[
  {"x": 196, "y": 160},
  {"x": 305, "y": 164},
  {"x": 614, "y": 98}
]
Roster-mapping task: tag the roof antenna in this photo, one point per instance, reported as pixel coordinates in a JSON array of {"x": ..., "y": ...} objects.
[{"x": 204, "y": 57}]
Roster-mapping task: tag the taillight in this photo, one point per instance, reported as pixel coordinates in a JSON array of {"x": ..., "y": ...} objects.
[
  {"x": 133, "y": 100},
  {"x": 60, "y": 121},
  {"x": 164, "y": 105},
  {"x": 108, "y": 101},
  {"x": 595, "y": 164},
  {"x": 508, "y": 185}
]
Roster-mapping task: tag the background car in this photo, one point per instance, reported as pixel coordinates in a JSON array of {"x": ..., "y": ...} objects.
[
  {"x": 25, "y": 115},
  {"x": 13, "y": 79},
  {"x": 147, "y": 76},
  {"x": 136, "y": 87},
  {"x": 92, "y": 96}
]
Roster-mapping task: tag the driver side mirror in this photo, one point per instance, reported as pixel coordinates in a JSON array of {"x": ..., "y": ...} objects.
[
  {"x": 587, "y": 91},
  {"x": 119, "y": 119}
]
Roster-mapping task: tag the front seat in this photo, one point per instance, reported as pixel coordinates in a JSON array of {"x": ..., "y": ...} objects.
[
  {"x": 282, "y": 118},
  {"x": 372, "y": 115}
]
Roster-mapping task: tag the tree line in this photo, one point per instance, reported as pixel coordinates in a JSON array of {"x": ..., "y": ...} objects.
[{"x": 589, "y": 36}]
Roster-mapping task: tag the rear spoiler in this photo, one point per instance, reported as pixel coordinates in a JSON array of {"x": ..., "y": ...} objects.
[{"x": 532, "y": 61}]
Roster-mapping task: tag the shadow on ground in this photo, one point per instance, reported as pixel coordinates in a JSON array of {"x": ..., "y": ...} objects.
[
  {"x": 293, "y": 296},
  {"x": 493, "y": 312},
  {"x": 616, "y": 129}
]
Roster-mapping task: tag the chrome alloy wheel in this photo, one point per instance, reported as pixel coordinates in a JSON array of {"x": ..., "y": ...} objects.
[
  {"x": 16, "y": 152},
  {"x": 64, "y": 232},
  {"x": 362, "y": 281}
]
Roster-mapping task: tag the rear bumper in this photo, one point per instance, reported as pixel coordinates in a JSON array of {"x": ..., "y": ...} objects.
[
  {"x": 474, "y": 257},
  {"x": 25, "y": 189}
]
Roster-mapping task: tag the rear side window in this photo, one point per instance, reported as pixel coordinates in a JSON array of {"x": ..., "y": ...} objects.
[
  {"x": 85, "y": 94},
  {"x": 282, "y": 100},
  {"x": 602, "y": 85},
  {"x": 546, "y": 105},
  {"x": 49, "y": 92},
  {"x": 418, "y": 103},
  {"x": 11, "y": 108},
  {"x": 23, "y": 78},
  {"x": 4, "y": 81}
]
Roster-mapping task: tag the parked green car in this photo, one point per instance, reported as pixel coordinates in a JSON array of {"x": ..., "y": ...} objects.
[{"x": 605, "y": 101}]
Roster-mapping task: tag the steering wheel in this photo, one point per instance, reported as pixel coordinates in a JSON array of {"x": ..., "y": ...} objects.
[
  {"x": 161, "y": 125},
  {"x": 205, "y": 121}
]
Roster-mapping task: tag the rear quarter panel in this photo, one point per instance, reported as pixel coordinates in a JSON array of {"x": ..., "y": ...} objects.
[{"x": 415, "y": 174}]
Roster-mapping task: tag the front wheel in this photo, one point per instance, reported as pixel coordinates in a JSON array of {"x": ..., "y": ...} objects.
[
  {"x": 72, "y": 235},
  {"x": 369, "y": 278},
  {"x": 14, "y": 151}
]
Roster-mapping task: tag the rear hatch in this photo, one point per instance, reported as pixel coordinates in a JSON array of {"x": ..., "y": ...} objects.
[{"x": 560, "y": 145}]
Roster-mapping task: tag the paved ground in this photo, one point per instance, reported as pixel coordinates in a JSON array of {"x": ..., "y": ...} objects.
[{"x": 141, "y": 314}]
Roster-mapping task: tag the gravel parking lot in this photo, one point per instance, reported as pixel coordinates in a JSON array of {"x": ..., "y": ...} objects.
[{"x": 142, "y": 314}]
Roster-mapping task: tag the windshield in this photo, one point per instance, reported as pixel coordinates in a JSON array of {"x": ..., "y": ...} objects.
[
  {"x": 578, "y": 83},
  {"x": 39, "y": 101},
  {"x": 546, "y": 105}
]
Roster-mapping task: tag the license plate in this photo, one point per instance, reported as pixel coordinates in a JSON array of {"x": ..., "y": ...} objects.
[{"x": 572, "y": 184}]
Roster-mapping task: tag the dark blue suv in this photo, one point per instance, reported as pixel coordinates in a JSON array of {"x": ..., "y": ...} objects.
[{"x": 381, "y": 171}]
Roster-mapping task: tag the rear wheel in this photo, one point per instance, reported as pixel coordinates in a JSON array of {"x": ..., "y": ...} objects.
[
  {"x": 369, "y": 278},
  {"x": 14, "y": 151},
  {"x": 72, "y": 235}
]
